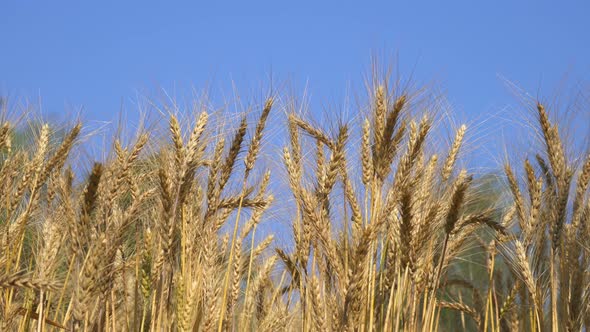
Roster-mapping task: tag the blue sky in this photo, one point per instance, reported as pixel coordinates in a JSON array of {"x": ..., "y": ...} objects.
[
  {"x": 96, "y": 55},
  {"x": 99, "y": 55}
]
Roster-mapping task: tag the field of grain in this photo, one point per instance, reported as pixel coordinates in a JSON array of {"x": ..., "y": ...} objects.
[{"x": 387, "y": 233}]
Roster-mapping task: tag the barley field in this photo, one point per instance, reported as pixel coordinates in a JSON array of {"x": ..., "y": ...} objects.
[{"x": 387, "y": 231}]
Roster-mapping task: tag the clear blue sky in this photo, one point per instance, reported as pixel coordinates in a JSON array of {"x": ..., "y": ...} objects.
[{"x": 96, "y": 54}]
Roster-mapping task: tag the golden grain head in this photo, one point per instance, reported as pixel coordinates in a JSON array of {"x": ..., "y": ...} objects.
[{"x": 366, "y": 231}]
